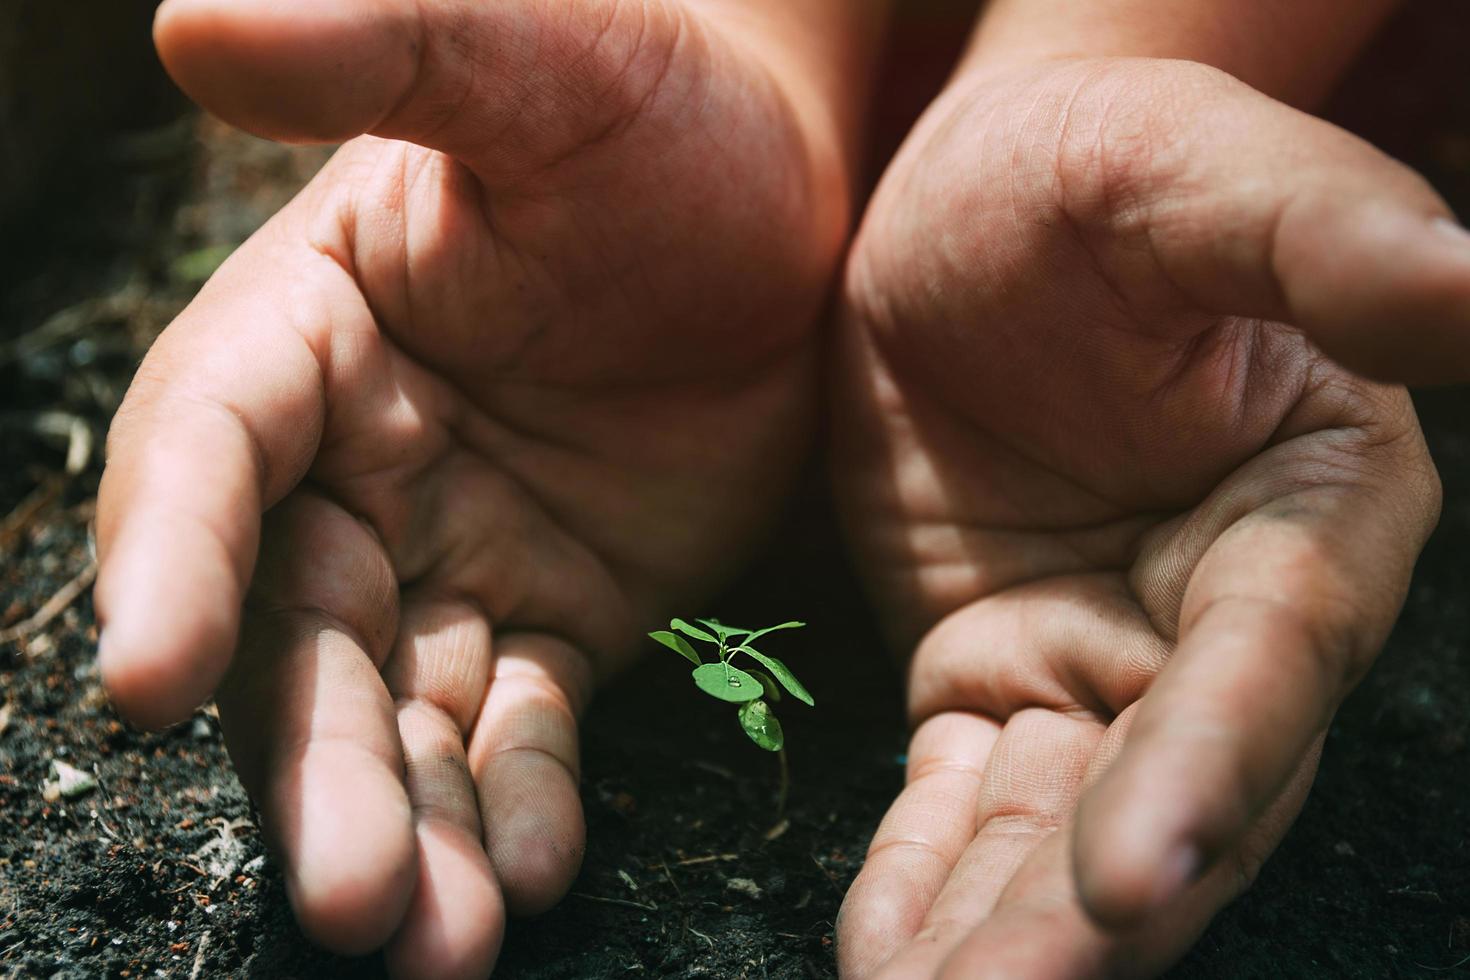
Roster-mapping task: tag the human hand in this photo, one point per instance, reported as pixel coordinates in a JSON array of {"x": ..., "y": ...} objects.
[
  {"x": 509, "y": 379},
  {"x": 1141, "y": 534}
]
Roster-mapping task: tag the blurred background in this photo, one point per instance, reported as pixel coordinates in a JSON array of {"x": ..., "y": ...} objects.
[
  {"x": 130, "y": 855},
  {"x": 68, "y": 72}
]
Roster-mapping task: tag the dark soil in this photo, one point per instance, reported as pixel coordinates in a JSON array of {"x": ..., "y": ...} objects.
[{"x": 159, "y": 869}]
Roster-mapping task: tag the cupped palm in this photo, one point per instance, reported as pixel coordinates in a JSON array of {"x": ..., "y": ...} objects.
[
  {"x": 515, "y": 374},
  {"x": 1139, "y": 531}
]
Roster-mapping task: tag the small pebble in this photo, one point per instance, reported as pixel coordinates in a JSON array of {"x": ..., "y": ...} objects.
[
  {"x": 744, "y": 886},
  {"x": 69, "y": 782}
]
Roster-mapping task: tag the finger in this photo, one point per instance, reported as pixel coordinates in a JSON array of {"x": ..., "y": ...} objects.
[
  {"x": 456, "y": 921},
  {"x": 524, "y": 757},
  {"x": 1283, "y": 613},
  {"x": 1100, "y": 650},
  {"x": 1252, "y": 208},
  {"x": 437, "y": 674},
  {"x": 921, "y": 837},
  {"x": 1096, "y": 648},
  {"x": 1039, "y": 929},
  {"x": 221, "y": 422},
  {"x": 1032, "y": 779},
  {"x": 507, "y": 80},
  {"x": 311, "y": 727}
]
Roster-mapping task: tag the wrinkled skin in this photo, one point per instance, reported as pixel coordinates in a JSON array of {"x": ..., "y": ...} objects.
[
  {"x": 1140, "y": 532},
  {"x": 510, "y": 379},
  {"x": 534, "y": 362}
]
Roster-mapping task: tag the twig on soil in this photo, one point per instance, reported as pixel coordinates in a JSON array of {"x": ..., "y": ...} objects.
[
  {"x": 64, "y": 324},
  {"x": 79, "y": 443},
  {"x": 199, "y": 956},
  {"x": 29, "y": 509},
  {"x": 223, "y": 855},
  {"x": 97, "y": 819},
  {"x": 700, "y": 935},
  {"x": 706, "y": 859},
  {"x": 53, "y": 607},
  {"x": 1443, "y": 969},
  {"x": 1418, "y": 893},
  {"x": 826, "y": 872},
  {"x": 55, "y": 424},
  {"x": 677, "y": 890},
  {"x": 710, "y": 767},
  {"x": 616, "y": 901},
  {"x": 229, "y": 827}
]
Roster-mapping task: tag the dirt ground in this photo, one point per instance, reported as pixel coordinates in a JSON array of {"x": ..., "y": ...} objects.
[{"x": 143, "y": 858}]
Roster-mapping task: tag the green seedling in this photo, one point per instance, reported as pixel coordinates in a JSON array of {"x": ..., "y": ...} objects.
[{"x": 754, "y": 686}]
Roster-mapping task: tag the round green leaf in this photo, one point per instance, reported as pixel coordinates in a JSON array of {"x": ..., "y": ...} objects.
[
  {"x": 676, "y": 643},
  {"x": 721, "y": 630},
  {"x": 783, "y": 674},
  {"x": 756, "y": 634},
  {"x": 762, "y": 727},
  {"x": 693, "y": 631},
  {"x": 727, "y": 683}
]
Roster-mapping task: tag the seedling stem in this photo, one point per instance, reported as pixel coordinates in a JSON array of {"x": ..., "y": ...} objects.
[{"x": 753, "y": 690}]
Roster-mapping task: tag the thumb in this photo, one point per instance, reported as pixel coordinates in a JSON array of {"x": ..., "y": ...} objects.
[
  {"x": 1252, "y": 208},
  {"x": 513, "y": 76}
]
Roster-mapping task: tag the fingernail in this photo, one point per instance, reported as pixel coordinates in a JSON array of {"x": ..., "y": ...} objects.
[{"x": 1181, "y": 867}]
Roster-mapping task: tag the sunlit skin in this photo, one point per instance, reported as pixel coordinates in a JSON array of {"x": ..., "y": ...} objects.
[
  {"x": 514, "y": 377},
  {"x": 531, "y": 367},
  {"x": 1139, "y": 533}
]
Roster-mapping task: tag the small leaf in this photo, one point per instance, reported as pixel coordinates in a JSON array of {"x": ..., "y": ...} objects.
[
  {"x": 727, "y": 683},
  {"x": 793, "y": 625},
  {"x": 783, "y": 674},
  {"x": 678, "y": 644},
  {"x": 762, "y": 727},
  {"x": 693, "y": 631},
  {"x": 768, "y": 684},
  {"x": 721, "y": 630}
]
